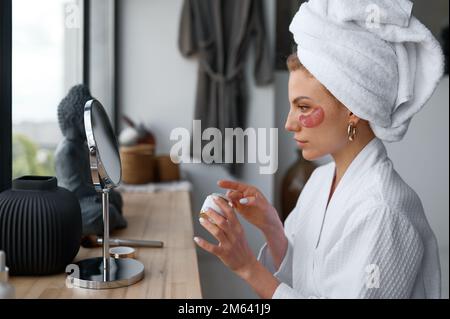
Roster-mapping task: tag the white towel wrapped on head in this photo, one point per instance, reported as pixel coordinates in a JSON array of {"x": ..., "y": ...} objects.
[{"x": 374, "y": 56}]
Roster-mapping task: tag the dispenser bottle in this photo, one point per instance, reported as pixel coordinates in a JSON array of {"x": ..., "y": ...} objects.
[{"x": 7, "y": 291}]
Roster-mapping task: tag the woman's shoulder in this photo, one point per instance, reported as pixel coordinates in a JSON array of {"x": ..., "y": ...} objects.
[
  {"x": 383, "y": 186},
  {"x": 383, "y": 200}
]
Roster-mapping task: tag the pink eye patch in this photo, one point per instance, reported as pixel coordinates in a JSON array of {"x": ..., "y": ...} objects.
[{"x": 314, "y": 119}]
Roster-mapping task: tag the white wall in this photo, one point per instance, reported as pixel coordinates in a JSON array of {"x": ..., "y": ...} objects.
[{"x": 157, "y": 85}]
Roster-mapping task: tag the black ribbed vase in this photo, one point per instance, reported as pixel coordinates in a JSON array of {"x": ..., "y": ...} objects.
[{"x": 40, "y": 226}]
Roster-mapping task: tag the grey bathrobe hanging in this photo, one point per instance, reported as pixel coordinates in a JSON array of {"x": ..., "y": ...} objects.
[{"x": 220, "y": 32}]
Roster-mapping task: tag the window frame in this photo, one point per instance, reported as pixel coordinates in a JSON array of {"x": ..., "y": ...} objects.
[
  {"x": 107, "y": 48},
  {"x": 5, "y": 94}
]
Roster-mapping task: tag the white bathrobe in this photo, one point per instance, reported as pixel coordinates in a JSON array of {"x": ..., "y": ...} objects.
[{"x": 372, "y": 241}]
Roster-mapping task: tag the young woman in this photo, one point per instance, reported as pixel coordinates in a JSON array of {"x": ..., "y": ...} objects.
[{"x": 358, "y": 230}]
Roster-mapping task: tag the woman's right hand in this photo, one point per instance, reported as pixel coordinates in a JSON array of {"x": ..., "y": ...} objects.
[{"x": 252, "y": 205}]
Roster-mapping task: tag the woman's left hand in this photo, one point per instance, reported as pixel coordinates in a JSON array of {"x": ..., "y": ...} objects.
[{"x": 233, "y": 248}]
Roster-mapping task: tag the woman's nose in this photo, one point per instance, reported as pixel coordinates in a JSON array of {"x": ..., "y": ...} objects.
[{"x": 292, "y": 125}]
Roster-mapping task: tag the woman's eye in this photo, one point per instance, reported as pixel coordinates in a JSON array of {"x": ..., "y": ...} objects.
[{"x": 303, "y": 108}]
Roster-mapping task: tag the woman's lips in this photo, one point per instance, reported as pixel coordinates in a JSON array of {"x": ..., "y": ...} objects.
[{"x": 301, "y": 143}]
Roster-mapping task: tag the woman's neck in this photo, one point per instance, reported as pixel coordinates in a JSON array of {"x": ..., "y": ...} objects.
[{"x": 345, "y": 156}]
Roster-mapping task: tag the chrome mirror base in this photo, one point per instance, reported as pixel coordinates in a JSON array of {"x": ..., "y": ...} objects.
[{"x": 91, "y": 274}]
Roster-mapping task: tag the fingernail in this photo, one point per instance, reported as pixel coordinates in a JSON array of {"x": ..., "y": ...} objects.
[
  {"x": 230, "y": 204},
  {"x": 196, "y": 239},
  {"x": 201, "y": 220},
  {"x": 243, "y": 201}
]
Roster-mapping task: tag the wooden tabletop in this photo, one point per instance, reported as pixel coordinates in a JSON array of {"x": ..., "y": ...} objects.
[{"x": 170, "y": 272}]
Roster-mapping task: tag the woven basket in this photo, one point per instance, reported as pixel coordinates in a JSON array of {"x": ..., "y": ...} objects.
[{"x": 138, "y": 164}]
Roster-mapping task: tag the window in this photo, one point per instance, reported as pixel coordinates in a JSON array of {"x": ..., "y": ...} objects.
[
  {"x": 47, "y": 45},
  {"x": 50, "y": 44}
]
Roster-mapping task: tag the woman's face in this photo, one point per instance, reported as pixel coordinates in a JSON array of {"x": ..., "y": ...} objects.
[{"x": 319, "y": 122}]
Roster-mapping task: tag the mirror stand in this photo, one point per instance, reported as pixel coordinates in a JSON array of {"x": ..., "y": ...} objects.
[
  {"x": 105, "y": 245},
  {"x": 106, "y": 272}
]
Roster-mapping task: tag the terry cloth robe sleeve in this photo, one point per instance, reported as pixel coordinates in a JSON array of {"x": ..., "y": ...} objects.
[
  {"x": 284, "y": 272},
  {"x": 378, "y": 256},
  {"x": 263, "y": 62},
  {"x": 187, "y": 40}
]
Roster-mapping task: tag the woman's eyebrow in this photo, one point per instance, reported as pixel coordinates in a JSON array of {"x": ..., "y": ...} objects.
[{"x": 298, "y": 99}]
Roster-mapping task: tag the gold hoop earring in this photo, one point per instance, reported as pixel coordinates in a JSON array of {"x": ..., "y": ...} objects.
[{"x": 351, "y": 132}]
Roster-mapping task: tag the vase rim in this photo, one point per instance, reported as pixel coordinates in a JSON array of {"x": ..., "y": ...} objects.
[{"x": 39, "y": 183}]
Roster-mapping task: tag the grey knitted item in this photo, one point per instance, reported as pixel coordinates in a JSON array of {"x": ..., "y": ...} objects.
[{"x": 73, "y": 167}]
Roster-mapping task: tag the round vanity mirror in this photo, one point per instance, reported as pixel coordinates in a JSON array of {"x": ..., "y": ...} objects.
[
  {"x": 103, "y": 147},
  {"x": 104, "y": 272}
]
